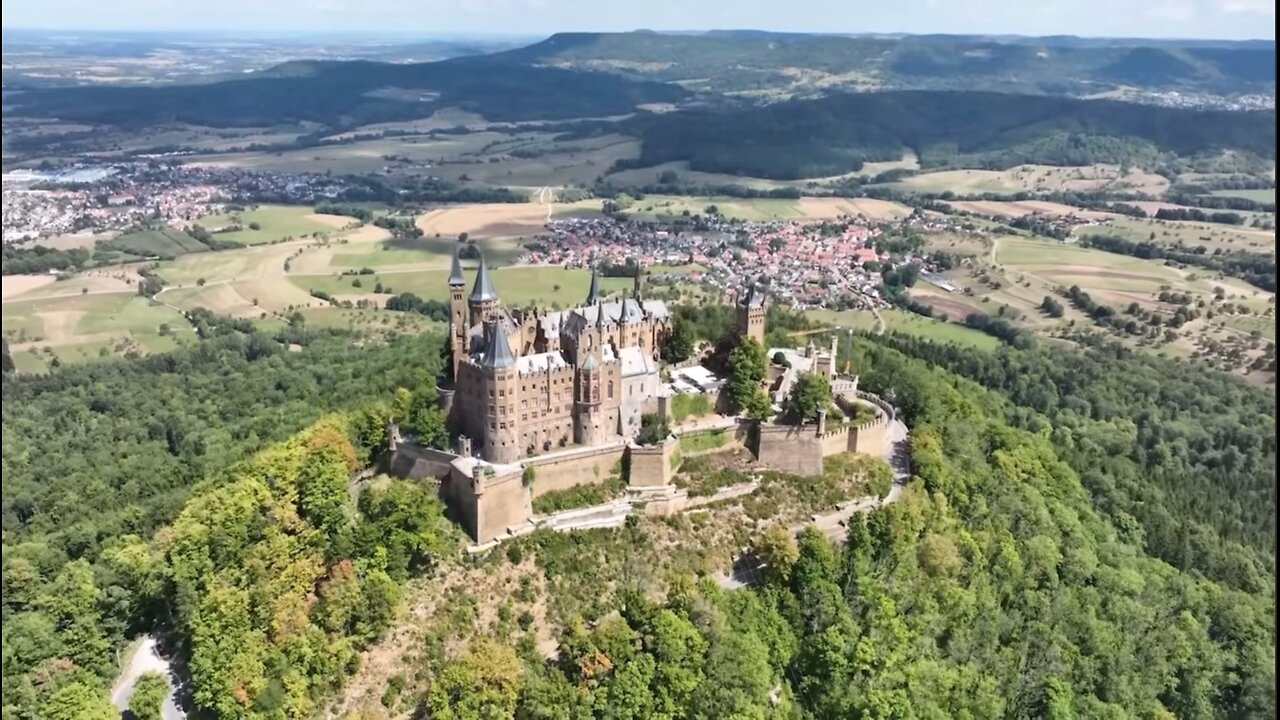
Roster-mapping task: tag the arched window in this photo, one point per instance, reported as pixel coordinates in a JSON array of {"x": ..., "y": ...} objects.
[{"x": 610, "y": 389}]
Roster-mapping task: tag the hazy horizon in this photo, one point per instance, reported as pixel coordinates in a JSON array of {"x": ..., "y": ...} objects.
[{"x": 1121, "y": 19}]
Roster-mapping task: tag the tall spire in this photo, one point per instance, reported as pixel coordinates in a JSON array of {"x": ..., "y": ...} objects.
[
  {"x": 455, "y": 272},
  {"x": 593, "y": 293},
  {"x": 483, "y": 290},
  {"x": 636, "y": 285},
  {"x": 498, "y": 354}
]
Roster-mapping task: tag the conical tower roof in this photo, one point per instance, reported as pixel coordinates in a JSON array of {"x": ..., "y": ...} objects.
[
  {"x": 455, "y": 272},
  {"x": 593, "y": 293},
  {"x": 483, "y": 290},
  {"x": 590, "y": 363},
  {"x": 498, "y": 354}
]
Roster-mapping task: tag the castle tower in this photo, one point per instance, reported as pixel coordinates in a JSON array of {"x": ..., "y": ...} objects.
[
  {"x": 587, "y": 416},
  {"x": 483, "y": 297},
  {"x": 751, "y": 314},
  {"x": 635, "y": 286},
  {"x": 593, "y": 293},
  {"x": 458, "y": 326},
  {"x": 502, "y": 384}
]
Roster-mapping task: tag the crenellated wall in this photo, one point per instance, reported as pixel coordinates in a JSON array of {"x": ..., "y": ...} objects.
[
  {"x": 800, "y": 449},
  {"x": 417, "y": 463}
]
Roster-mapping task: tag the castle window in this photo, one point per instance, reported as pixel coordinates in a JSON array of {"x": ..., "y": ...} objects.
[
  {"x": 491, "y": 425},
  {"x": 610, "y": 389}
]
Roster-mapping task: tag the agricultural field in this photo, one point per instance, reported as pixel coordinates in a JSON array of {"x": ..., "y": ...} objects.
[
  {"x": 275, "y": 223},
  {"x": 161, "y": 242},
  {"x": 647, "y": 175},
  {"x": 1034, "y": 178},
  {"x": 1265, "y": 195},
  {"x": 82, "y": 327},
  {"x": 1022, "y": 208},
  {"x": 549, "y": 286},
  {"x": 1025, "y": 270},
  {"x": 1171, "y": 232},
  {"x": 762, "y": 209},
  {"x": 908, "y": 323}
]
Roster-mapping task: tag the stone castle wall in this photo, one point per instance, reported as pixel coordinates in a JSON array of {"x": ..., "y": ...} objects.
[
  {"x": 564, "y": 470},
  {"x": 650, "y": 466},
  {"x": 418, "y": 463},
  {"x": 800, "y": 449},
  {"x": 791, "y": 449}
]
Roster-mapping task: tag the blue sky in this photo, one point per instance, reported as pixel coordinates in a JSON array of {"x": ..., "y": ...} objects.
[{"x": 1235, "y": 19}]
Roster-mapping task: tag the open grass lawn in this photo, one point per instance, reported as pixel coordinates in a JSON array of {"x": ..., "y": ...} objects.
[
  {"x": 517, "y": 286},
  {"x": 275, "y": 222},
  {"x": 909, "y": 323}
]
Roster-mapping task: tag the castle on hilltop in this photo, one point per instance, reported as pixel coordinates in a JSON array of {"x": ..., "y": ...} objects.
[
  {"x": 545, "y": 401},
  {"x": 529, "y": 381}
]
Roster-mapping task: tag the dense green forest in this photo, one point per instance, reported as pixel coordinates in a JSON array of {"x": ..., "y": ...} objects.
[
  {"x": 1088, "y": 534},
  {"x": 837, "y": 134},
  {"x": 996, "y": 587},
  {"x": 351, "y": 94}
]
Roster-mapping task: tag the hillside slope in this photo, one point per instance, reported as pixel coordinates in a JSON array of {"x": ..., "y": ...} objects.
[
  {"x": 833, "y": 135},
  {"x": 352, "y": 93}
]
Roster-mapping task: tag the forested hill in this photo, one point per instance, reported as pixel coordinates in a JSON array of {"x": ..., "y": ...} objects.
[
  {"x": 833, "y": 135},
  {"x": 746, "y": 61},
  {"x": 353, "y": 93}
]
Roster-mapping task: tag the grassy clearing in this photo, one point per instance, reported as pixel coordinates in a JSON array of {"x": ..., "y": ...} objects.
[
  {"x": 1267, "y": 195},
  {"x": 555, "y": 287},
  {"x": 1212, "y": 235},
  {"x": 276, "y": 222},
  {"x": 703, "y": 441},
  {"x": 908, "y": 323}
]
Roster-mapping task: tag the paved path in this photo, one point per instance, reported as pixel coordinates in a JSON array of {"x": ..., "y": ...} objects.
[{"x": 147, "y": 659}]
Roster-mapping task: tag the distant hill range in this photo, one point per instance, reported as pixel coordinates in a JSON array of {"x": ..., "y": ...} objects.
[
  {"x": 734, "y": 98},
  {"x": 763, "y": 63},
  {"x": 348, "y": 94},
  {"x": 837, "y": 134}
]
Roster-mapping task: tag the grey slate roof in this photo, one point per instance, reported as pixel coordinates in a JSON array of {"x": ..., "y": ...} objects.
[
  {"x": 455, "y": 272},
  {"x": 593, "y": 294},
  {"x": 498, "y": 354},
  {"x": 755, "y": 298},
  {"x": 483, "y": 289}
]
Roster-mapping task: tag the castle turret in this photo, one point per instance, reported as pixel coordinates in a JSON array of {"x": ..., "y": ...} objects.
[
  {"x": 458, "y": 325},
  {"x": 593, "y": 292},
  {"x": 635, "y": 285},
  {"x": 483, "y": 299},
  {"x": 587, "y": 416},
  {"x": 502, "y": 384},
  {"x": 751, "y": 314}
]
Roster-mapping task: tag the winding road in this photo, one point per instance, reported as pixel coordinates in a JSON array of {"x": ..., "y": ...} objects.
[{"x": 146, "y": 658}]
